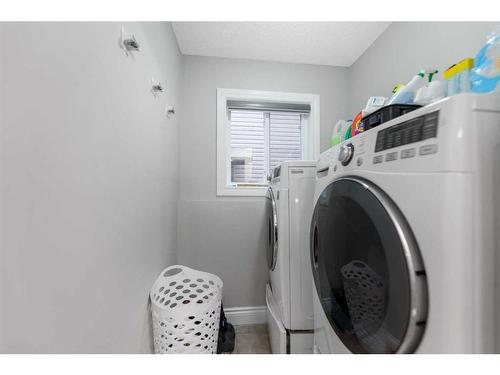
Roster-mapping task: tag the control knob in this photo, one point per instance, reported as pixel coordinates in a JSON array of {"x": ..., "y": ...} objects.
[{"x": 346, "y": 153}]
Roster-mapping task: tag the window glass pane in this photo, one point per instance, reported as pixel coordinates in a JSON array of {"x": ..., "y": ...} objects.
[
  {"x": 248, "y": 159},
  {"x": 285, "y": 141}
]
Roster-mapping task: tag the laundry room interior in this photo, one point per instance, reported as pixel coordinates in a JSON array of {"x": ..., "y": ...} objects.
[{"x": 249, "y": 187}]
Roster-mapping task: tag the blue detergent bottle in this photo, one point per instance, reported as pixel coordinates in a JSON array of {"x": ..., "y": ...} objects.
[{"x": 485, "y": 76}]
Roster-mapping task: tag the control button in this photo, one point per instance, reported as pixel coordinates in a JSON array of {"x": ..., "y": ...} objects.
[
  {"x": 433, "y": 116},
  {"x": 378, "y": 159},
  {"x": 405, "y": 136},
  {"x": 359, "y": 162},
  {"x": 428, "y": 149},
  {"x": 389, "y": 140},
  {"x": 415, "y": 134},
  {"x": 379, "y": 145},
  {"x": 397, "y": 139},
  {"x": 408, "y": 153},
  {"x": 346, "y": 153},
  {"x": 391, "y": 156},
  {"x": 429, "y": 130}
]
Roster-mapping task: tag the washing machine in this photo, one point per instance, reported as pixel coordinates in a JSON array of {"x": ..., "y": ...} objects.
[
  {"x": 289, "y": 291},
  {"x": 405, "y": 234}
]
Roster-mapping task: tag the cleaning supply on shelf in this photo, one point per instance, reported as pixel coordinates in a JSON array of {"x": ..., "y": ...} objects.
[
  {"x": 485, "y": 76},
  {"x": 387, "y": 113},
  {"x": 347, "y": 134},
  {"x": 457, "y": 77},
  {"x": 357, "y": 126},
  {"x": 374, "y": 103},
  {"x": 338, "y": 132},
  {"x": 430, "y": 93},
  {"x": 406, "y": 94},
  {"x": 397, "y": 87}
]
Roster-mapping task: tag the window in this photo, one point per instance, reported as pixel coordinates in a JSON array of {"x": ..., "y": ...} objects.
[
  {"x": 260, "y": 140},
  {"x": 258, "y": 130}
]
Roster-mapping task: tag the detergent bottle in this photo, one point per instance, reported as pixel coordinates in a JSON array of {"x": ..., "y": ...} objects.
[
  {"x": 338, "y": 133},
  {"x": 406, "y": 94},
  {"x": 485, "y": 75}
]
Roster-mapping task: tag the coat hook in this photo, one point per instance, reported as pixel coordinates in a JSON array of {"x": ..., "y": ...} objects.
[
  {"x": 170, "y": 111},
  {"x": 131, "y": 44},
  {"x": 128, "y": 42},
  {"x": 156, "y": 88}
]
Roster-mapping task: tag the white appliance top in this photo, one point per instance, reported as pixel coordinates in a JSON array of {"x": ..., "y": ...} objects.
[
  {"x": 441, "y": 137},
  {"x": 280, "y": 173}
]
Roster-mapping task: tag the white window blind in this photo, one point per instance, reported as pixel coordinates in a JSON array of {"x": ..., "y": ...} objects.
[
  {"x": 248, "y": 143},
  {"x": 260, "y": 140},
  {"x": 285, "y": 140}
]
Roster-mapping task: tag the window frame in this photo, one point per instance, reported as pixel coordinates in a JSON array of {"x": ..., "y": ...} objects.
[{"x": 311, "y": 134}]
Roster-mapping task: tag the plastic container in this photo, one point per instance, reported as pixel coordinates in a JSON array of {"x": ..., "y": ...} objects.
[
  {"x": 338, "y": 132},
  {"x": 357, "y": 126},
  {"x": 185, "y": 306},
  {"x": 485, "y": 76},
  {"x": 431, "y": 93},
  {"x": 374, "y": 103},
  {"x": 365, "y": 295},
  {"x": 457, "y": 78},
  {"x": 387, "y": 113},
  {"x": 406, "y": 94}
]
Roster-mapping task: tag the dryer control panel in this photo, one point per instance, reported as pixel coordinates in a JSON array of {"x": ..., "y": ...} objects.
[
  {"x": 445, "y": 136},
  {"x": 411, "y": 131}
]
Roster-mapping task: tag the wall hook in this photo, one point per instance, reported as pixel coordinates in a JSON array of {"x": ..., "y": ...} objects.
[
  {"x": 156, "y": 88},
  {"x": 128, "y": 42},
  {"x": 170, "y": 111}
]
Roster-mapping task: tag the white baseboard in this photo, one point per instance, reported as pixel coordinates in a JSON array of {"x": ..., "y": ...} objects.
[{"x": 239, "y": 316}]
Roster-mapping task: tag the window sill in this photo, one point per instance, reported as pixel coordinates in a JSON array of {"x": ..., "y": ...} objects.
[{"x": 257, "y": 191}]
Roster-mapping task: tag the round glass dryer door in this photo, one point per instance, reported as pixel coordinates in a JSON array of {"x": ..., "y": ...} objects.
[
  {"x": 367, "y": 269},
  {"x": 272, "y": 228}
]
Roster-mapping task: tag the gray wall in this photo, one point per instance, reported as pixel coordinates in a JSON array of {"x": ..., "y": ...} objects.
[
  {"x": 225, "y": 235},
  {"x": 404, "y": 48},
  {"x": 88, "y": 184},
  {"x": 89, "y": 179}
]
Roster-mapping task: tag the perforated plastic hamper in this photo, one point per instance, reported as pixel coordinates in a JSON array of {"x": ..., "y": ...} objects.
[{"x": 185, "y": 307}]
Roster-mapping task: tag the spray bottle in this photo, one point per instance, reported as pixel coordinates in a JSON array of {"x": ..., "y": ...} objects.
[{"x": 406, "y": 94}]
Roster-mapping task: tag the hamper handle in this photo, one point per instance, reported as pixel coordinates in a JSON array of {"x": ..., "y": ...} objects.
[{"x": 173, "y": 271}]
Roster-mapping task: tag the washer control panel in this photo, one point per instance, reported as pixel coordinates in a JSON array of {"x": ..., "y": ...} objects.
[{"x": 411, "y": 131}]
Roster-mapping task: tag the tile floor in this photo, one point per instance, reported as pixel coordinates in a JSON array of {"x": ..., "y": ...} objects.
[{"x": 251, "y": 339}]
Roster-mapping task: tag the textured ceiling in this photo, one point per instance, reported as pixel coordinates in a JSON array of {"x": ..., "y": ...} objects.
[{"x": 324, "y": 43}]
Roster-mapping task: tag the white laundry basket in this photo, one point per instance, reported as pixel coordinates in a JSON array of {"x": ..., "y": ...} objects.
[{"x": 185, "y": 306}]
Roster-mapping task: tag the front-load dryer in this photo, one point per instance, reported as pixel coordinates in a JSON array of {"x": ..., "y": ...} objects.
[
  {"x": 405, "y": 235},
  {"x": 289, "y": 293}
]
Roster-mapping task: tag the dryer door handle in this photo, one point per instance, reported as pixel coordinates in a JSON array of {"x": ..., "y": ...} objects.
[{"x": 315, "y": 245}]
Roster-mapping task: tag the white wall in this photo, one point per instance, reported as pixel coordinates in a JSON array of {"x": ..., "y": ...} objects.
[
  {"x": 226, "y": 235},
  {"x": 88, "y": 184},
  {"x": 89, "y": 179},
  {"x": 404, "y": 48}
]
